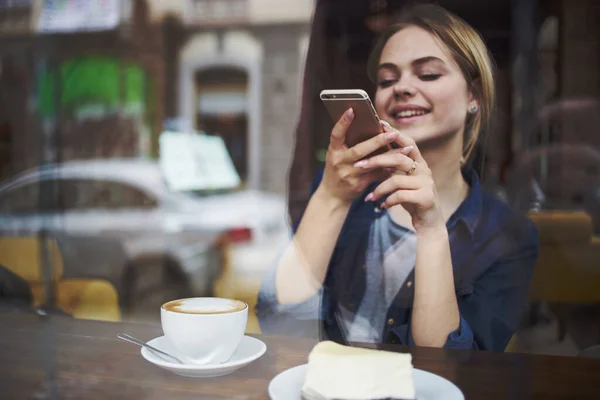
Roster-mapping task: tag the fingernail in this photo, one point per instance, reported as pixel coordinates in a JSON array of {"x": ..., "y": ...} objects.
[
  {"x": 392, "y": 135},
  {"x": 361, "y": 164},
  {"x": 383, "y": 206},
  {"x": 369, "y": 197},
  {"x": 385, "y": 123},
  {"x": 407, "y": 150},
  {"x": 349, "y": 114}
]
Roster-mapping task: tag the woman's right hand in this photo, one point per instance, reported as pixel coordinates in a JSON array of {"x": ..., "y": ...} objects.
[{"x": 342, "y": 180}]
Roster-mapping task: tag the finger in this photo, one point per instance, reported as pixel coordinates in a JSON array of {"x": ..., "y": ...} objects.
[
  {"x": 338, "y": 133},
  {"x": 378, "y": 175},
  {"x": 396, "y": 183},
  {"x": 392, "y": 159},
  {"x": 367, "y": 147},
  {"x": 403, "y": 141},
  {"x": 386, "y": 126},
  {"x": 402, "y": 197}
]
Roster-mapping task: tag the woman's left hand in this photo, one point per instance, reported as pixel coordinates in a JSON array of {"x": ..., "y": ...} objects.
[{"x": 410, "y": 184}]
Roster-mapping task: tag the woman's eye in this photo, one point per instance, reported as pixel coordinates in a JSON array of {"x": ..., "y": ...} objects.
[
  {"x": 429, "y": 77},
  {"x": 384, "y": 83}
]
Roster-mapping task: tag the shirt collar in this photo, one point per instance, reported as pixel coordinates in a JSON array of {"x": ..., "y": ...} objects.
[{"x": 470, "y": 209}]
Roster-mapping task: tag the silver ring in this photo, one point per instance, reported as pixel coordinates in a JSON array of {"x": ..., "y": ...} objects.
[{"x": 413, "y": 168}]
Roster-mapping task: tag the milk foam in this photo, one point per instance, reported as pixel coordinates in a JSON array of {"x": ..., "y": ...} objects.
[{"x": 204, "y": 305}]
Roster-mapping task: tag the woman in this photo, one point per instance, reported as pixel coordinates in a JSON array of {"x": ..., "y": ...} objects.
[{"x": 443, "y": 264}]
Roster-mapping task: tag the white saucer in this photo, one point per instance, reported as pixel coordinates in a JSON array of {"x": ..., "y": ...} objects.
[
  {"x": 249, "y": 350},
  {"x": 288, "y": 385}
]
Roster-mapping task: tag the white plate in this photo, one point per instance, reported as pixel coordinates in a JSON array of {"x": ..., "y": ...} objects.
[
  {"x": 249, "y": 350},
  {"x": 288, "y": 385}
]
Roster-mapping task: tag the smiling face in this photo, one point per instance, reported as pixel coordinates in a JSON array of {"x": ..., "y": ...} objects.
[{"x": 421, "y": 91}]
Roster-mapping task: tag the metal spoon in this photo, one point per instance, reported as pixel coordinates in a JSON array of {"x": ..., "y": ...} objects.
[{"x": 129, "y": 338}]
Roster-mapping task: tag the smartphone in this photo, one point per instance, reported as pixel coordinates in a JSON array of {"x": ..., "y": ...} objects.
[{"x": 366, "y": 121}]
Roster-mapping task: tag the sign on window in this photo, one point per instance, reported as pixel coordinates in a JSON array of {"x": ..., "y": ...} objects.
[
  {"x": 79, "y": 15},
  {"x": 193, "y": 161}
]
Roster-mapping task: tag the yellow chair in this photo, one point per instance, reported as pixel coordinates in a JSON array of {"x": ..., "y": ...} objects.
[
  {"x": 568, "y": 269},
  {"x": 513, "y": 345},
  {"x": 81, "y": 298},
  {"x": 567, "y": 272},
  {"x": 232, "y": 284}
]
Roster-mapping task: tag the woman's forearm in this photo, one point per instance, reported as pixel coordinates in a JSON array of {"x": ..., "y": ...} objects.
[
  {"x": 303, "y": 266},
  {"x": 435, "y": 310}
]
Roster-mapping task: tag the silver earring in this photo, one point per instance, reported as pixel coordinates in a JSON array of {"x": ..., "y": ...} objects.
[{"x": 473, "y": 108}]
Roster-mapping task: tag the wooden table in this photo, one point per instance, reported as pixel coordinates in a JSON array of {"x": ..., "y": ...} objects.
[{"x": 65, "y": 358}]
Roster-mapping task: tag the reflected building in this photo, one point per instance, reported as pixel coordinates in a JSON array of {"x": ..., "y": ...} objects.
[
  {"x": 70, "y": 91},
  {"x": 234, "y": 68},
  {"x": 231, "y": 68}
]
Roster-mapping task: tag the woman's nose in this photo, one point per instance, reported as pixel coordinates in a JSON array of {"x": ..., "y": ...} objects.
[{"x": 403, "y": 88}]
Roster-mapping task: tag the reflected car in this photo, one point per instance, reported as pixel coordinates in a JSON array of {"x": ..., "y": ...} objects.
[{"x": 172, "y": 241}]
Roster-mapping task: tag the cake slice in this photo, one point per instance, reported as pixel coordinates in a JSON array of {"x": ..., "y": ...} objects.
[{"x": 350, "y": 373}]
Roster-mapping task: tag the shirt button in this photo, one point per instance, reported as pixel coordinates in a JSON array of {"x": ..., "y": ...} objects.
[
  {"x": 364, "y": 267},
  {"x": 391, "y": 321},
  {"x": 409, "y": 284}
]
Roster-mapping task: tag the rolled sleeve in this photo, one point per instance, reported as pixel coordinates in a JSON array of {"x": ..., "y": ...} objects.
[
  {"x": 295, "y": 319},
  {"x": 460, "y": 339}
]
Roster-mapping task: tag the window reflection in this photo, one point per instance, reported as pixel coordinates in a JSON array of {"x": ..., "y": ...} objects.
[{"x": 158, "y": 82}]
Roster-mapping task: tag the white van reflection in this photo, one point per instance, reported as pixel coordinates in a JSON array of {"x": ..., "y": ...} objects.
[{"x": 171, "y": 239}]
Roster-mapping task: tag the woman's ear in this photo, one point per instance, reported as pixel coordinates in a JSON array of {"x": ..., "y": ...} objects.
[{"x": 474, "y": 96}]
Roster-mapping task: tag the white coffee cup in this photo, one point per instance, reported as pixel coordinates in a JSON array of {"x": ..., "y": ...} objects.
[{"x": 204, "y": 330}]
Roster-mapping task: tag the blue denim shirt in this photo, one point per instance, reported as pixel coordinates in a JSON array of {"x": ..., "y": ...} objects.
[{"x": 494, "y": 250}]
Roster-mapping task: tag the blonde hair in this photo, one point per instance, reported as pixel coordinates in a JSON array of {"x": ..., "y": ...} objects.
[{"x": 469, "y": 52}]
